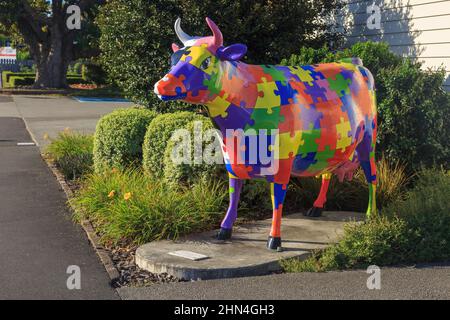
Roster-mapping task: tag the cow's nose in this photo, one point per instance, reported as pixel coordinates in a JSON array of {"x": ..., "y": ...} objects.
[{"x": 159, "y": 86}]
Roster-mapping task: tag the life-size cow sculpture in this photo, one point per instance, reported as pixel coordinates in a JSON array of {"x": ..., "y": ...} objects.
[{"x": 325, "y": 116}]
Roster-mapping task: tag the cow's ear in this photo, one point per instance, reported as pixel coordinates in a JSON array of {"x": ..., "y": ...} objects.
[
  {"x": 234, "y": 52},
  {"x": 175, "y": 47}
]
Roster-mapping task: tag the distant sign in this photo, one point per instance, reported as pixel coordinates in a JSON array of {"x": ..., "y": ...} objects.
[{"x": 7, "y": 53}]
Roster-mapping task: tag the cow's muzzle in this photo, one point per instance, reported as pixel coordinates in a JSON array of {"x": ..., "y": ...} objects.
[{"x": 166, "y": 89}]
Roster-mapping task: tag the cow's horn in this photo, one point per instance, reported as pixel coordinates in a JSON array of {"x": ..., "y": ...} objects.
[
  {"x": 217, "y": 34},
  {"x": 183, "y": 36}
]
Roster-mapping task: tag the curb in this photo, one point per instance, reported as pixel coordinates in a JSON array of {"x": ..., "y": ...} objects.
[{"x": 102, "y": 253}]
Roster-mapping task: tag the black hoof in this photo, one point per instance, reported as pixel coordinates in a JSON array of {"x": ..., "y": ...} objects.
[
  {"x": 224, "y": 234},
  {"x": 274, "y": 243},
  {"x": 314, "y": 212}
]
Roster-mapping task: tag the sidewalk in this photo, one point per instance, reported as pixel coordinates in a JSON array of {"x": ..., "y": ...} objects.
[
  {"x": 52, "y": 114},
  {"x": 38, "y": 240}
]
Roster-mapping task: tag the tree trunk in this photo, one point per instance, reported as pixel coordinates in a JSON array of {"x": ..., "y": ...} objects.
[{"x": 52, "y": 60}]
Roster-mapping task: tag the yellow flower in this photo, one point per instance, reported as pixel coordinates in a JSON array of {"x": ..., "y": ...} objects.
[
  {"x": 127, "y": 196},
  {"x": 112, "y": 194},
  {"x": 46, "y": 136}
]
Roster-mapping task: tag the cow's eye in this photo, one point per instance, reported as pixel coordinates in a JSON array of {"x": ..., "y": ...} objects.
[{"x": 205, "y": 64}]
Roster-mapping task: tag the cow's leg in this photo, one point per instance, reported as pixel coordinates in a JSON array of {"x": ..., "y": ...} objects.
[
  {"x": 316, "y": 210},
  {"x": 278, "y": 193},
  {"x": 227, "y": 223},
  {"x": 366, "y": 157}
]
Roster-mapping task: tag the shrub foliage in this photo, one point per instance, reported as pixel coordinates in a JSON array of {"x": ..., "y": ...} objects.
[
  {"x": 411, "y": 230},
  {"x": 72, "y": 153},
  {"x": 208, "y": 148},
  {"x": 119, "y": 136},
  {"x": 136, "y": 35},
  {"x": 158, "y": 136}
]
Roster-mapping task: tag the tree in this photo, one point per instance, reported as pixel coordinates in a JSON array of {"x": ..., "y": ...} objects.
[
  {"x": 42, "y": 26},
  {"x": 136, "y": 35}
]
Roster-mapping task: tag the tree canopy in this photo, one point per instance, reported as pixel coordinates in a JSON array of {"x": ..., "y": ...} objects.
[
  {"x": 136, "y": 35},
  {"x": 41, "y": 24}
]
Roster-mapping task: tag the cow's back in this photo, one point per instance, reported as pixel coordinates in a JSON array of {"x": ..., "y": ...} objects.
[
  {"x": 336, "y": 107},
  {"x": 321, "y": 112}
]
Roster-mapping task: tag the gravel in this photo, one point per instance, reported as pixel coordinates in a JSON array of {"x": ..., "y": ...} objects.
[{"x": 122, "y": 256}]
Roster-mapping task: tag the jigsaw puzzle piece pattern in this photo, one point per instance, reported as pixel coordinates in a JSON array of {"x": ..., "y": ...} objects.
[
  {"x": 262, "y": 119},
  {"x": 267, "y": 98}
]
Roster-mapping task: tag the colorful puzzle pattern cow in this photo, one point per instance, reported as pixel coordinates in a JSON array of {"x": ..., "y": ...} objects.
[{"x": 325, "y": 114}]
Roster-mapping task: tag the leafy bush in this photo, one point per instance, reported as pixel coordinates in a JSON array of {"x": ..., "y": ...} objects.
[
  {"x": 188, "y": 173},
  {"x": 411, "y": 230},
  {"x": 255, "y": 201},
  {"x": 136, "y": 35},
  {"x": 379, "y": 241},
  {"x": 93, "y": 72},
  {"x": 119, "y": 137},
  {"x": 128, "y": 205},
  {"x": 158, "y": 136},
  {"x": 72, "y": 153},
  {"x": 408, "y": 98},
  {"x": 414, "y": 116},
  {"x": 426, "y": 210},
  {"x": 77, "y": 66}
]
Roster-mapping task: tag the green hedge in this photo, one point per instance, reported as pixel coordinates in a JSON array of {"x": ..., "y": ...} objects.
[
  {"x": 10, "y": 74},
  {"x": 15, "y": 81},
  {"x": 188, "y": 174},
  {"x": 157, "y": 137},
  {"x": 119, "y": 136}
]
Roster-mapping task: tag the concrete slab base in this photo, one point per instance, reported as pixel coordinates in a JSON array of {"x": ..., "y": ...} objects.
[{"x": 245, "y": 254}]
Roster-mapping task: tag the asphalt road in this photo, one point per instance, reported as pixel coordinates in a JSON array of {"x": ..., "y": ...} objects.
[
  {"x": 38, "y": 240},
  {"x": 426, "y": 282}
]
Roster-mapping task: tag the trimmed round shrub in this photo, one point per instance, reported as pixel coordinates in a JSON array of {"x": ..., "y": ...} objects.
[
  {"x": 157, "y": 137},
  {"x": 119, "y": 136},
  {"x": 194, "y": 154}
]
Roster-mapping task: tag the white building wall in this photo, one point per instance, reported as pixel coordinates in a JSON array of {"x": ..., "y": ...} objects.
[{"x": 413, "y": 28}]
